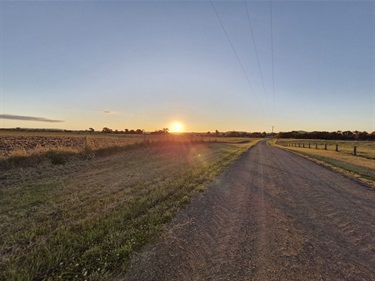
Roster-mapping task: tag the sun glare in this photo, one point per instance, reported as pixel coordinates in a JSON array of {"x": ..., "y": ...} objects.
[{"x": 177, "y": 127}]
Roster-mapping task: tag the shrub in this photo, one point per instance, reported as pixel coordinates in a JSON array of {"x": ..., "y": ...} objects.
[{"x": 57, "y": 158}]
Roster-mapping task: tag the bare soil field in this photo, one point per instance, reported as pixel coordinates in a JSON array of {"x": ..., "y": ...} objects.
[{"x": 272, "y": 215}]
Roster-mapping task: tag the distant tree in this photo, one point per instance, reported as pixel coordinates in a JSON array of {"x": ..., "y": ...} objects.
[
  {"x": 107, "y": 130},
  {"x": 233, "y": 134},
  {"x": 139, "y": 131},
  {"x": 91, "y": 130},
  {"x": 161, "y": 132},
  {"x": 126, "y": 131},
  {"x": 338, "y": 135},
  {"x": 348, "y": 135},
  {"x": 217, "y": 132},
  {"x": 255, "y": 135},
  {"x": 363, "y": 135}
]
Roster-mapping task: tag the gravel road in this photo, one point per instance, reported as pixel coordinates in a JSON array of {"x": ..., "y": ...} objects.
[{"x": 272, "y": 215}]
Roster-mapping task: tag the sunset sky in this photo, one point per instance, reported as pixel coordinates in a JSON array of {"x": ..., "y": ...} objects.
[{"x": 146, "y": 64}]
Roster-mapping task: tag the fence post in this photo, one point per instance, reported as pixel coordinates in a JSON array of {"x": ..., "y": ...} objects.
[
  {"x": 316, "y": 146},
  {"x": 86, "y": 143},
  {"x": 355, "y": 150},
  {"x": 303, "y": 145},
  {"x": 325, "y": 146},
  {"x": 309, "y": 145},
  {"x": 337, "y": 147}
]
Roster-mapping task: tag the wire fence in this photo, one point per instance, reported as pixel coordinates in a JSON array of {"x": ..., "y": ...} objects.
[{"x": 356, "y": 148}]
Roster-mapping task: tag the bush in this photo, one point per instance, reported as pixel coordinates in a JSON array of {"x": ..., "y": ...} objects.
[{"x": 57, "y": 158}]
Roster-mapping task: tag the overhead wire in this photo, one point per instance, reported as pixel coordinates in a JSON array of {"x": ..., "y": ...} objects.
[
  {"x": 255, "y": 48},
  {"x": 373, "y": 65},
  {"x": 235, "y": 53},
  {"x": 272, "y": 62},
  {"x": 1, "y": 61}
]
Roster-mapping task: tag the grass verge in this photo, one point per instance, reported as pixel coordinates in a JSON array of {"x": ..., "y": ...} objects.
[
  {"x": 357, "y": 167},
  {"x": 85, "y": 223}
]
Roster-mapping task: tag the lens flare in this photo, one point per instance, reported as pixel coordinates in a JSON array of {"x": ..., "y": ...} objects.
[{"x": 177, "y": 127}]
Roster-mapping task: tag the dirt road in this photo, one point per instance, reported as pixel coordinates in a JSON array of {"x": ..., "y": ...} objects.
[{"x": 271, "y": 216}]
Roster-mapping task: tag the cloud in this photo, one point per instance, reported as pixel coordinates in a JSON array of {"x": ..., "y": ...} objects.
[
  {"x": 28, "y": 118},
  {"x": 109, "y": 112}
]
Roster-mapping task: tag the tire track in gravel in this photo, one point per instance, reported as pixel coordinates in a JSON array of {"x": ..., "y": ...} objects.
[{"x": 272, "y": 215}]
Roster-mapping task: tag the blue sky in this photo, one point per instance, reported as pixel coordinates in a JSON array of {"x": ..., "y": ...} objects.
[{"x": 144, "y": 64}]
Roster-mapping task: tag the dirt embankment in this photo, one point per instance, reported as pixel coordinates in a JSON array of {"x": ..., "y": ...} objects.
[{"x": 271, "y": 216}]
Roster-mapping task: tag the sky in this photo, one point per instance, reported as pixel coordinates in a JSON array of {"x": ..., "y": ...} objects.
[{"x": 220, "y": 65}]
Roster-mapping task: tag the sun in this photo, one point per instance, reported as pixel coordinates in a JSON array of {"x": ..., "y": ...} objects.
[{"x": 177, "y": 127}]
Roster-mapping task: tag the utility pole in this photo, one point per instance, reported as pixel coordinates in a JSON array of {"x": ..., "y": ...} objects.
[{"x": 272, "y": 129}]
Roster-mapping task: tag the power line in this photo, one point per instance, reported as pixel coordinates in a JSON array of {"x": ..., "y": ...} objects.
[
  {"x": 234, "y": 51},
  {"x": 1, "y": 60},
  {"x": 272, "y": 60},
  {"x": 373, "y": 65},
  {"x": 255, "y": 48}
]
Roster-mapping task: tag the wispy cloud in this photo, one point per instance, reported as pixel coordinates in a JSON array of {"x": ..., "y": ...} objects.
[
  {"x": 109, "y": 112},
  {"x": 28, "y": 118}
]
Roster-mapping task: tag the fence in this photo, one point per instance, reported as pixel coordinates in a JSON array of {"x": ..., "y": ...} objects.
[{"x": 323, "y": 146}]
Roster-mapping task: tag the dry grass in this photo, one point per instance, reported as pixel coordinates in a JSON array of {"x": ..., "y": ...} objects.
[
  {"x": 365, "y": 149},
  {"x": 25, "y": 144},
  {"x": 361, "y": 166},
  {"x": 82, "y": 220}
]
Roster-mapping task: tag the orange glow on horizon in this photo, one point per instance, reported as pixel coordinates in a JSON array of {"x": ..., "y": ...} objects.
[{"x": 177, "y": 127}]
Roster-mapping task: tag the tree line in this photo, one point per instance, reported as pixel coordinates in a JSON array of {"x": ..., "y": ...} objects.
[
  {"x": 107, "y": 130},
  {"x": 324, "y": 135},
  {"x": 232, "y": 134},
  {"x": 236, "y": 134}
]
